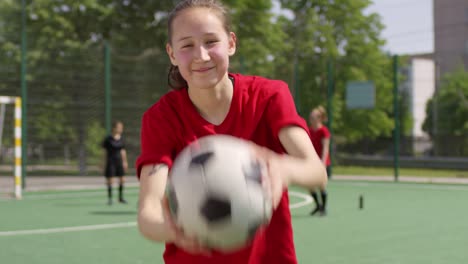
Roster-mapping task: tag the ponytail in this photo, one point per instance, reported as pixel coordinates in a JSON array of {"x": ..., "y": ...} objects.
[{"x": 175, "y": 79}]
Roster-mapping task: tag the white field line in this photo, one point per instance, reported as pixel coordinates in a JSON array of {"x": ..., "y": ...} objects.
[
  {"x": 66, "y": 229},
  {"x": 307, "y": 200},
  {"x": 93, "y": 193},
  {"x": 413, "y": 186},
  {"x": 101, "y": 192}
]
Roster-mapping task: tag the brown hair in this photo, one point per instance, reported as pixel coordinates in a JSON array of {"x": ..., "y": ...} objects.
[
  {"x": 323, "y": 113},
  {"x": 174, "y": 78},
  {"x": 115, "y": 123}
]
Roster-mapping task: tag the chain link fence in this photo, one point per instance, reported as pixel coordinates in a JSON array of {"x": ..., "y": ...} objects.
[{"x": 67, "y": 102}]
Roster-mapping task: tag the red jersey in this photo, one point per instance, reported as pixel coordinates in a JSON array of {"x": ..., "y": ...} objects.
[
  {"x": 259, "y": 109},
  {"x": 317, "y": 136}
]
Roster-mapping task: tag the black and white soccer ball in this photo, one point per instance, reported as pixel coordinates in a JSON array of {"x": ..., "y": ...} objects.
[{"x": 215, "y": 192}]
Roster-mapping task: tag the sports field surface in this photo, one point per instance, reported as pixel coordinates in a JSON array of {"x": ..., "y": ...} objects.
[{"x": 400, "y": 223}]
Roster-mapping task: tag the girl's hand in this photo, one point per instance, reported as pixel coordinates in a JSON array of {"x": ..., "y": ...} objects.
[
  {"x": 324, "y": 162},
  {"x": 274, "y": 180},
  {"x": 187, "y": 243}
]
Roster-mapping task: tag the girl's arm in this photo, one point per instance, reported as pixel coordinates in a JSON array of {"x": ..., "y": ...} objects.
[
  {"x": 123, "y": 153},
  {"x": 302, "y": 166},
  {"x": 154, "y": 220},
  {"x": 325, "y": 150},
  {"x": 103, "y": 162},
  {"x": 151, "y": 222}
]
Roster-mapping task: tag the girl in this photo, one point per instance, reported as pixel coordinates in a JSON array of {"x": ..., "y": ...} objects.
[
  {"x": 320, "y": 137},
  {"x": 207, "y": 100},
  {"x": 116, "y": 160}
]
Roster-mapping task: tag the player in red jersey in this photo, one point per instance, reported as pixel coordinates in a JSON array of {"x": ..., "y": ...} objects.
[
  {"x": 320, "y": 137},
  {"x": 207, "y": 100}
]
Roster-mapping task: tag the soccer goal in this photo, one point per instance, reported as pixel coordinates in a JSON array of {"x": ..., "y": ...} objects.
[{"x": 16, "y": 101}]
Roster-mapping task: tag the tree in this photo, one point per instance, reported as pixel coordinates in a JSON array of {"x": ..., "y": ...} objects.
[
  {"x": 9, "y": 47},
  {"x": 258, "y": 38},
  {"x": 66, "y": 64},
  {"x": 450, "y": 104},
  {"x": 341, "y": 31}
]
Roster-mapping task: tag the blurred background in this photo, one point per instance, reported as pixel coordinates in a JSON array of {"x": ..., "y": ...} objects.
[
  {"x": 392, "y": 75},
  {"x": 79, "y": 65}
]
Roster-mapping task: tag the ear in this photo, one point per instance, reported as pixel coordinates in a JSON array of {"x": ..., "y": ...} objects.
[
  {"x": 170, "y": 52},
  {"x": 232, "y": 43}
]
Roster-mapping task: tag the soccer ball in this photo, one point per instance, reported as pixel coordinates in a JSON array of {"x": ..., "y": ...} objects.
[{"x": 215, "y": 192}]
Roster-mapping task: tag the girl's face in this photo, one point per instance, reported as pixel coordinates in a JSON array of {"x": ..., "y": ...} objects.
[
  {"x": 200, "y": 47},
  {"x": 118, "y": 129},
  {"x": 315, "y": 118}
]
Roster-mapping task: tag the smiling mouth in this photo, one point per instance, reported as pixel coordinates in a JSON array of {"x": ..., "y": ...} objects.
[{"x": 203, "y": 69}]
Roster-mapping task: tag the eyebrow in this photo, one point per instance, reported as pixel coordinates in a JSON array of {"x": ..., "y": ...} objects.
[
  {"x": 188, "y": 37},
  {"x": 183, "y": 38}
]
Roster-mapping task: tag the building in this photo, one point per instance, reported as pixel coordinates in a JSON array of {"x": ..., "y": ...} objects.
[
  {"x": 419, "y": 87},
  {"x": 450, "y": 35}
]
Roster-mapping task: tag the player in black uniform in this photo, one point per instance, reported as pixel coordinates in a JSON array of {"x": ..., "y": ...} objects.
[{"x": 116, "y": 160}]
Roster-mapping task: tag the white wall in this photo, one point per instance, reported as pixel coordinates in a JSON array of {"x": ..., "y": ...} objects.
[{"x": 422, "y": 86}]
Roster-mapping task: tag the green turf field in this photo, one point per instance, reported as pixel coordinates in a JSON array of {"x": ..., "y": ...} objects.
[
  {"x": 388, "y": 171},
  {"x": 400, "y": 223}
]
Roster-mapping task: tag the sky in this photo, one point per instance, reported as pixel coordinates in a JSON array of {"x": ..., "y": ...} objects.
[{"x": 409, "y": 25}]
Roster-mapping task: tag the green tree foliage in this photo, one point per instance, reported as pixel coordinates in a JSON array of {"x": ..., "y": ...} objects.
[
  {"x": 259, "y": 39},
  {"x": 66, "y": 39},
  {"x": 340, "y": 30},
  {"x": 66, "y": 62},
  {"x": 94, "y": 147},
  {"x": 9, "y": 46},
  {"x": 450, "y": 105}
]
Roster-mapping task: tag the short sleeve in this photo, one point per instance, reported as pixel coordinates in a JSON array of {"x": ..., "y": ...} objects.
[
  {"x": 123, "y": 143},
  {"x": 281, "y": 110},
  {"x": 157, "y": 140},
  {"x": 326, "y": 132}
]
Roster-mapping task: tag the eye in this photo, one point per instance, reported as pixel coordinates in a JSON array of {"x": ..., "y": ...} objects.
[
  {"x": 187, "y": 46},
  {"x": 211, "y": 42}
]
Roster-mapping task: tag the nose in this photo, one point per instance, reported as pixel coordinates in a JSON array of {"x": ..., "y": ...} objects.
[{"x": 201, "y": 54}]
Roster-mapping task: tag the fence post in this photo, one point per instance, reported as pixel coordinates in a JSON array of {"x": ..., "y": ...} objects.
[
  {"x": 297, "y": 100},
  {"x": 107, "y": 86},
  {"x": 396, "y": 131},
  {"x": 24, "y": 96},
  {"x": 330, "y": 92}
]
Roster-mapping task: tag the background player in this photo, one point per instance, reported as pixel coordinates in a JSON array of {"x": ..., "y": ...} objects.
[
  {"x": 320, "y": 137},
  {"x": 116, "y": 160}
]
